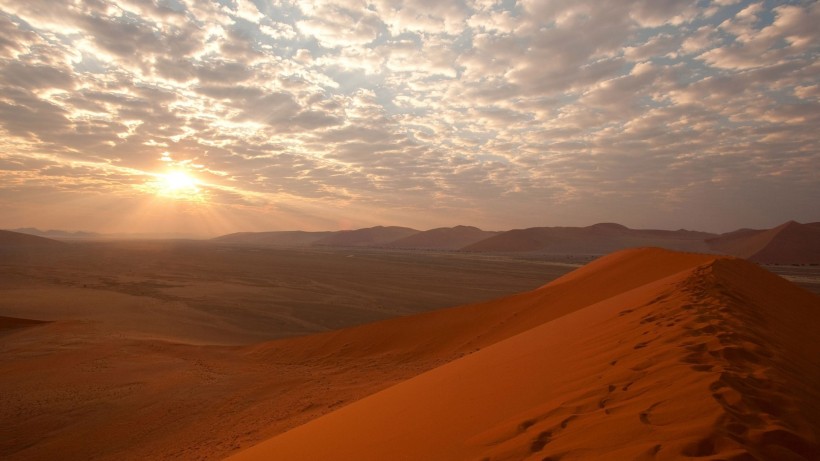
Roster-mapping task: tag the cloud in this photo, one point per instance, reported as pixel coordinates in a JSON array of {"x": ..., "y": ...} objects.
[
  {"x": 336, "y": 26},
  {"x": 501, "y": 114}
]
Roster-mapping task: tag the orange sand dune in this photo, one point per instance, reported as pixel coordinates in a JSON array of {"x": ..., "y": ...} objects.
[
  {"x": 441, "y": 335},
  {"x": 645, "y": 354},
  {"x": 789, "y": 243}
]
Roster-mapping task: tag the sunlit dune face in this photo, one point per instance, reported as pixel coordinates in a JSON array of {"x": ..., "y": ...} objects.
[{"x": 179, "y": 185}]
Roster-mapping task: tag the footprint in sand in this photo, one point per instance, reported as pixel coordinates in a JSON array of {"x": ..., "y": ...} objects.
[{"x": 644, "y": 415}]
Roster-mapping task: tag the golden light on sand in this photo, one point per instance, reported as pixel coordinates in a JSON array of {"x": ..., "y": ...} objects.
[{"x": 178, "y": 185}]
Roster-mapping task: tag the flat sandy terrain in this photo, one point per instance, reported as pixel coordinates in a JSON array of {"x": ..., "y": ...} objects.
[
  {"x": 219, "y": 294},
  {"x": 807, "y": 276}
]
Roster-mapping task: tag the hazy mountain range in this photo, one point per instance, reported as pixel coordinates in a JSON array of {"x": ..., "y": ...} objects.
[{"x": 789, "y": 243}]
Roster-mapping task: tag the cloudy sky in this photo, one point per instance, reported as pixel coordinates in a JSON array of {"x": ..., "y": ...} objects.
[{"x": 209, "y": 117}]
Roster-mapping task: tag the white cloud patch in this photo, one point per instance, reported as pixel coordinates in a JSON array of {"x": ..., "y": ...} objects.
[{"x": 499, "y": 114}]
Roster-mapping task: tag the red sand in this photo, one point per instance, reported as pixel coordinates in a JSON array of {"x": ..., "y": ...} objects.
[
  {"x": 644, "y": 354},
  {"x": 11, "y": 323}
]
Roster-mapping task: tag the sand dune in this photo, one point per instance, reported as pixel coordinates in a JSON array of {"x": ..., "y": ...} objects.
[
  {"x": 17, "y": 239},
  {"x": 445, "y": 334},
  {"x": 443, "y": 238},
  {"x": 596, "y": 239},
  {"x": 58, "y": 234},
  {"x": 369, "y": 237},
  {"x": 789, "y": 243},
  {"x": 281, "y": 238},
  {"x": 670, "y": 356}
]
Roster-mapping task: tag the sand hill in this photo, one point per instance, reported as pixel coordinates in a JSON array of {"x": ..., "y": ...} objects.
[
  {"x": 281, "y": 238},
  {"x": 58, "y": 234},
  {"x": 15, "y": 239},
  {"x": 371, "y": 236},
  {"x": 596, "y": 239},
  {"x": 789, "y": 243},
  {"x": 644, "y": 354},
  {"x": 443, "y": 238}
]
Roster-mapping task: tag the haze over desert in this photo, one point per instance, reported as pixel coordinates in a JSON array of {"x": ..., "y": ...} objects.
[{"x": 478, "y": 230}]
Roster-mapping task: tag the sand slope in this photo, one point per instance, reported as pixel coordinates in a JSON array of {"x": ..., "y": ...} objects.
[
  {"x": 789, "y": 243},
  {"x": 281, "y": 238},
  {"x": 443, "y": 238},
  {"x": 15, "y": 239},
  {"x": 645, "y": 354},
  {"x": 445, "y": 334},
  {"x": 371, "y": 236},
  {"x": 596, "y": 239}
]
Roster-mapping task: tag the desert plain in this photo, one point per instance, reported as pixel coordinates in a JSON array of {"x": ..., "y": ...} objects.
[
  {"x": 204, "y": 350},
  {"x": 142, "y": 350}
]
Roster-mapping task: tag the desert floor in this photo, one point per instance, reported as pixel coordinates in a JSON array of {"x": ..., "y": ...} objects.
[{"x": 140, "y": 355}]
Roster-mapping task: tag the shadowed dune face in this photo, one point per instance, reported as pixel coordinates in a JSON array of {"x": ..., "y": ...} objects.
[
  {"x": 444, "y": 238},
  {"x": 283, "y": 238},
  {"x": 12, "y": 323},
  {"x": 714, "y": 361},
  {"x": 789, "y": 243},
  {"x": 596, "y": 239},
  {"x": 371, "y": 236},
  {"x": 9, "y": 240}
]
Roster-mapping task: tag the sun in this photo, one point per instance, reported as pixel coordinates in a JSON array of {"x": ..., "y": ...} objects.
[
  {"x": 177, "y": 184},
  {"x": 178, "y": 181}
]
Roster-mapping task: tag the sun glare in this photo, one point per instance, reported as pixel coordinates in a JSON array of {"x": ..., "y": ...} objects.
[{"x": 178, "y": 185}]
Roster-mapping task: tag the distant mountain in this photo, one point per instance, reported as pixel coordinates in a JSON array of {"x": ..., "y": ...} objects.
[
  {"x": 19, "y": 239},
  {"x": 283, "y": 238},
  {"x": 596, "y": 239},
  {"x": 57, "y": 234},
  {"x": 368, "y": 237},
  {"x": 443, "y": 238},
  {"x": 789, "y": 243}
]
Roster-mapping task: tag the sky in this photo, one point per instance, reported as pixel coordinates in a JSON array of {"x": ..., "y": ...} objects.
[{"x": 207, "y": 117}]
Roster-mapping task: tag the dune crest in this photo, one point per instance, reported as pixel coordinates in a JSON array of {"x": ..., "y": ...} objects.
[{"x": 656, "y": 355}]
